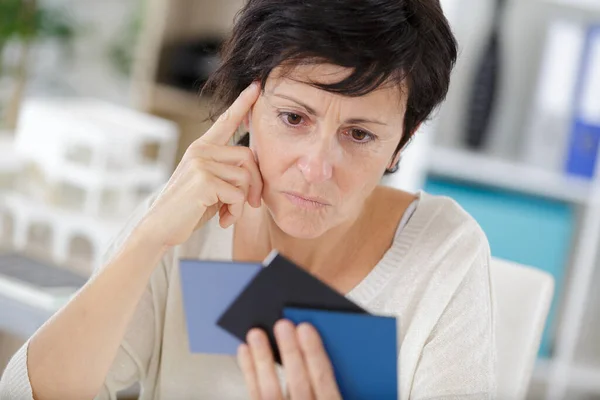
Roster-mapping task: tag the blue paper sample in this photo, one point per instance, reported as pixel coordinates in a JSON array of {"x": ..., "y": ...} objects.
[
  {"x": 362, "y": 348},
  {"x": 209, "y": 288}
]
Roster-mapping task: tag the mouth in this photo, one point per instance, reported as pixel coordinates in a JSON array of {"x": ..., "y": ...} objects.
[{"x": 306, "y": 201}]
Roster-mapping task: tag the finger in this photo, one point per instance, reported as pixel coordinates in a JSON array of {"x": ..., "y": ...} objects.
[
  {"x": 234, "y": 155},
  {"x": 242, "y": 157},
  {"x": 236, "y": 210},
  {"x": 296, "y": 375},
  {"x": 223, "y": 192},
  {"x": 264, "y": 364},
  {"x": 247, "y": 366},
  {"x": 224, "y": 128},
  {"x": 226, "y": 219},
  {"x": 237, "y": 176},
  {"x": 319, "y": 367},
  {"x": 229, "y": 214}
]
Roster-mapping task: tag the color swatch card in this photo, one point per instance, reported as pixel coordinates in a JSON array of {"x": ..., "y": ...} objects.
[
  {"x": 209, "y": 288},
  {"x": 224, "y": 300},
  {"x": 362, "y": 349},
  {"x": 278, "y": 285}
]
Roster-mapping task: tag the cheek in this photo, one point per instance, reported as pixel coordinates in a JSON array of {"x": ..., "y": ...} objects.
[
  {"x": 272, "y": 153},
  {"x": 356, "y": 181}
]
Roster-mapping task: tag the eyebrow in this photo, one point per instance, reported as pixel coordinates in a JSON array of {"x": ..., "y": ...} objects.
[{"x": 312, "y": 111}]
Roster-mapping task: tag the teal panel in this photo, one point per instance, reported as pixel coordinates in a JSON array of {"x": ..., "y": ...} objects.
[{"x": 530, "y": 230}]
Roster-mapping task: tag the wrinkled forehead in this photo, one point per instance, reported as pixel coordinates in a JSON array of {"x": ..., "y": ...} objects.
[{"x": 300, "y": 80}]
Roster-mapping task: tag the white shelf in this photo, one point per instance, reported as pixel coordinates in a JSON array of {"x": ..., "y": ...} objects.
[
  {"x": 585, "y": 378},
  {"x": 585, "y": 5},
  {"x": 483, "y": 169}
]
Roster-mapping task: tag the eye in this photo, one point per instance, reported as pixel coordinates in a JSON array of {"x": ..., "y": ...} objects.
[
  {"x": 359, "y": 136},
  {"x": 293, "y": 119}
]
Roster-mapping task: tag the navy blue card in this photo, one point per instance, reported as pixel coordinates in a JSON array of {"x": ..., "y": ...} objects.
[{"x": 362, "y": 348}]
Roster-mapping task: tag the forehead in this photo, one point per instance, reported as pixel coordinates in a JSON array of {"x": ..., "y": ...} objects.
[{"x": 299, "y": 81}]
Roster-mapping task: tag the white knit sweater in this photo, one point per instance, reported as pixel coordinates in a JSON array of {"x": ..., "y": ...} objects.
[{"x": 435, "y": 277}]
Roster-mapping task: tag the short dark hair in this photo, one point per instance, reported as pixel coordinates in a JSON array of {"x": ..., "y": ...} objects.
[{"x": 403, "y": 42}]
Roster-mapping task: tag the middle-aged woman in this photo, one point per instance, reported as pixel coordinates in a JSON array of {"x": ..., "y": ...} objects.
[{"x": 330, "y": 92}]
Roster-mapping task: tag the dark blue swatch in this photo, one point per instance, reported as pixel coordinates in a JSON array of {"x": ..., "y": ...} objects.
[{"x": 362, "y": 348}]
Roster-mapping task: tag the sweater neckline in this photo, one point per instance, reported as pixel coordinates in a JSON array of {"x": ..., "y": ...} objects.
[{"x": 381, "y": 273}]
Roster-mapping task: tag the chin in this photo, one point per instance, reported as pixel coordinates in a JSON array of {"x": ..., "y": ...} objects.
[
  {"x": 301, "y": 227},
  {"x": 299, "y": 223}
]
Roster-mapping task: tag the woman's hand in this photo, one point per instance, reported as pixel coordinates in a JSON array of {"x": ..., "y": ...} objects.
[
  {"x": 308, "y": 371},
  {"x": 211, "y": 177}
]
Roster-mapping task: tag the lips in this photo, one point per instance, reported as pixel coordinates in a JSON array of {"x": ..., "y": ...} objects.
[{"x": 318, "y": 200}]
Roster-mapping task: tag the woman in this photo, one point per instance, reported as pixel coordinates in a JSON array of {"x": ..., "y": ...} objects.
[{"x": 330, "y": 92}]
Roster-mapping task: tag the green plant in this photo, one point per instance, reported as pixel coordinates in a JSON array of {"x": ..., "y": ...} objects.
[{"x": 24, "y": 21}]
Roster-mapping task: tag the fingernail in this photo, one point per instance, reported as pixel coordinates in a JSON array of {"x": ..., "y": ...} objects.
[
  {"x": 254, "y": 337},
  {"x": 305, "y": 331},
  {"x": 285, "y": 330},
  {"x": 252, "y": 86}
]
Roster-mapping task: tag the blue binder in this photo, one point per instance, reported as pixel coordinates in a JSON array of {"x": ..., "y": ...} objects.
[{"x": 582, "y": 154}]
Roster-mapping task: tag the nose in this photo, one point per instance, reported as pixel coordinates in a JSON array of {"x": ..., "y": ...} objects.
[{"x": 315, "y": 164}]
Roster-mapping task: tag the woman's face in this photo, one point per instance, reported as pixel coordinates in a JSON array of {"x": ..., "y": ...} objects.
[{"x": 326, "y": 147}]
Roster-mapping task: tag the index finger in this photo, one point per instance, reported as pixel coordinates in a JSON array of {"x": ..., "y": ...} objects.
[{"x": 224, "y": 128}]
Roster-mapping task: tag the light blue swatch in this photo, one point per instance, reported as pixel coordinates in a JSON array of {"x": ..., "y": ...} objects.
[{"x": 208, "y": 288}]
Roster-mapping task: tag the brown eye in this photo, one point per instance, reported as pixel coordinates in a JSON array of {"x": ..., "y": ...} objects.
[
  {"x": 294, "y": 119},
  {"x": 359, "y": 135}
]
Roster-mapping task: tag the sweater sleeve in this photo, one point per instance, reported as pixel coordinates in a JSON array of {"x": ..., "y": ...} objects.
[
  {"x": 132, "y": 363},
  {"x": 14, "y": 384},
  {"x": 133, "y": 359},
  {"x": 458, "y": 361}
]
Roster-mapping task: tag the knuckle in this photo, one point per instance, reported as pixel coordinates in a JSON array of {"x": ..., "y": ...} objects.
[
  {"x": 198, "y": 165},
  {"x": 241, "y": 195},
  {"x": 199, "y": 146},
  {"x": 200, "y": 175},
  {"x": 248, "y": 154},
  {"x": 195, "y": 150}
]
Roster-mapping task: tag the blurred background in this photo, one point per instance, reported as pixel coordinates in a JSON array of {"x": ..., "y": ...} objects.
[{"x": 98, "y": 101}]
